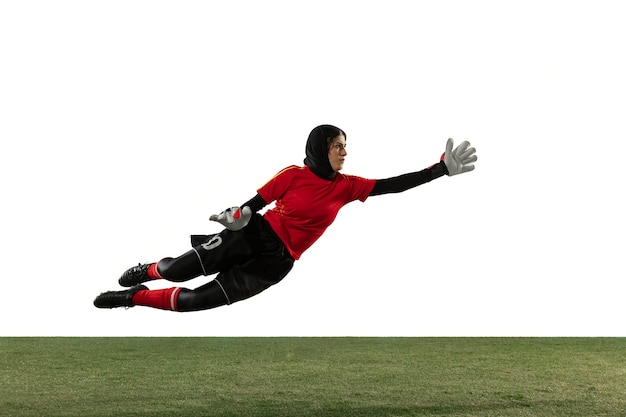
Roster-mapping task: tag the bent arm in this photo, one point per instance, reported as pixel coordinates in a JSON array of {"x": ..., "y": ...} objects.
[
  {"x": 236, "y": 218},
  {"x": 256, "y": 203},
  {"x": 407, "y": 181}
]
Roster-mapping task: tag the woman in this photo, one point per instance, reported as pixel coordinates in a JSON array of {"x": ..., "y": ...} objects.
[{"x": 256, "y": 251}]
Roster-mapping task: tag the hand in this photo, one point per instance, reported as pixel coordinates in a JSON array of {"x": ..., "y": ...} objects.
[
  {"x": 460, "y": 159},
  {"x": 233, "y": 218}
]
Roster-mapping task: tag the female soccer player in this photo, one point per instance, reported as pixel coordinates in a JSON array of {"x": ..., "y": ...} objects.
[{"x": 256, "y": 251}]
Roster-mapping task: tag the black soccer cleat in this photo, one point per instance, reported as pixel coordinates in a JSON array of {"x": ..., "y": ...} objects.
[
  {"x": 113, "y": 299},
  {"x": 135, "y": 275}
]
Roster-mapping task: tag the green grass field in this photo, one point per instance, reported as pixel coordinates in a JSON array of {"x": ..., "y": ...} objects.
[{"x": 319, "y": 377}]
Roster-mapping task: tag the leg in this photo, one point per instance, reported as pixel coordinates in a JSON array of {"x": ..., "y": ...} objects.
[
  {"x": 236, "y": 284},
  {"x": 210, "y": 254},
  {"x": 205, "y": 297},
  {"x": 253, "y": 277},
  {"x": 187, "y": 266},
  {"x": 215, "y": 253},
  {"x": 183, "y": 268},
  {"x": 208, "y": 296},
  {"x": 248, "y": 261}
]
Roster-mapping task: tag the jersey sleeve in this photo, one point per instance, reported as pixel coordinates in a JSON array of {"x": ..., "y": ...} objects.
[
  {"x": 276, "y": 187},
  {"x": 360, "y": 187}
]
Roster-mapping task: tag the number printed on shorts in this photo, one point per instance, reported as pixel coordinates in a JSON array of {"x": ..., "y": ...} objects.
[{"x": 213, "y": 243}]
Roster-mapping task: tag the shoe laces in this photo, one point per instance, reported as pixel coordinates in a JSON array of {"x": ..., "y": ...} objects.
[{"x": 139, "y": 269}]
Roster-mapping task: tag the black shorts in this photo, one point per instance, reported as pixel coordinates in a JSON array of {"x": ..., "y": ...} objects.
[{"x": 247, "y": 261}]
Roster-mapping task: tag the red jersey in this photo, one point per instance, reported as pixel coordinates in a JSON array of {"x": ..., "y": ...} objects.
[{"x": 307, "y": 204}]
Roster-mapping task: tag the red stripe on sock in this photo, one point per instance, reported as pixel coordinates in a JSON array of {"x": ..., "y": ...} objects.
[
  {"x": 165, "y": 299},
  {"x": 153, "y": 272},
  {"x": 174, "y": 299}
]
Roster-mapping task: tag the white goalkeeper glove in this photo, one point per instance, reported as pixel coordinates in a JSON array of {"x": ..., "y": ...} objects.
[
  {"x": 233, "y": 218},
  {"x": 460, "y": 159}
]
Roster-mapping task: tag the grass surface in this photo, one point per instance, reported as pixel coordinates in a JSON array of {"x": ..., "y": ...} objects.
[{"x": 320, "y": 377}]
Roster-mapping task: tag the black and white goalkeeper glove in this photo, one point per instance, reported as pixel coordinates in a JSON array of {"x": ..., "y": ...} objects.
[
  {"x": 233, "y": 218},
  {"x": 460, "y": 159}
]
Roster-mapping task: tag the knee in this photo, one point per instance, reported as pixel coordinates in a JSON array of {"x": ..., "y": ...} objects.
[
  {"x": 171, "y": 270},
  {"x": 203, "y": 298},
  {"x": 162, "y": 268}
]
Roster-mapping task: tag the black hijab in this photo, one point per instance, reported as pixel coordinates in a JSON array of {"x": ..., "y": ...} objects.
[{"x": 317, "y": 145}]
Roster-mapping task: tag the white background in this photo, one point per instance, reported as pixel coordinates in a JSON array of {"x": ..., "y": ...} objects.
[{"x": 125, "y": 124}]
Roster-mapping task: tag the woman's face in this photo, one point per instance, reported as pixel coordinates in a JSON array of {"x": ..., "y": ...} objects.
[{"x": 337, "y": 153}]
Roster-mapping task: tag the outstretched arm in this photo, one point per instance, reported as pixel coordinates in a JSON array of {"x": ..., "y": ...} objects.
[
  {"x": 453, "y": 162},
  {"x": 408, "y": 181}
]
